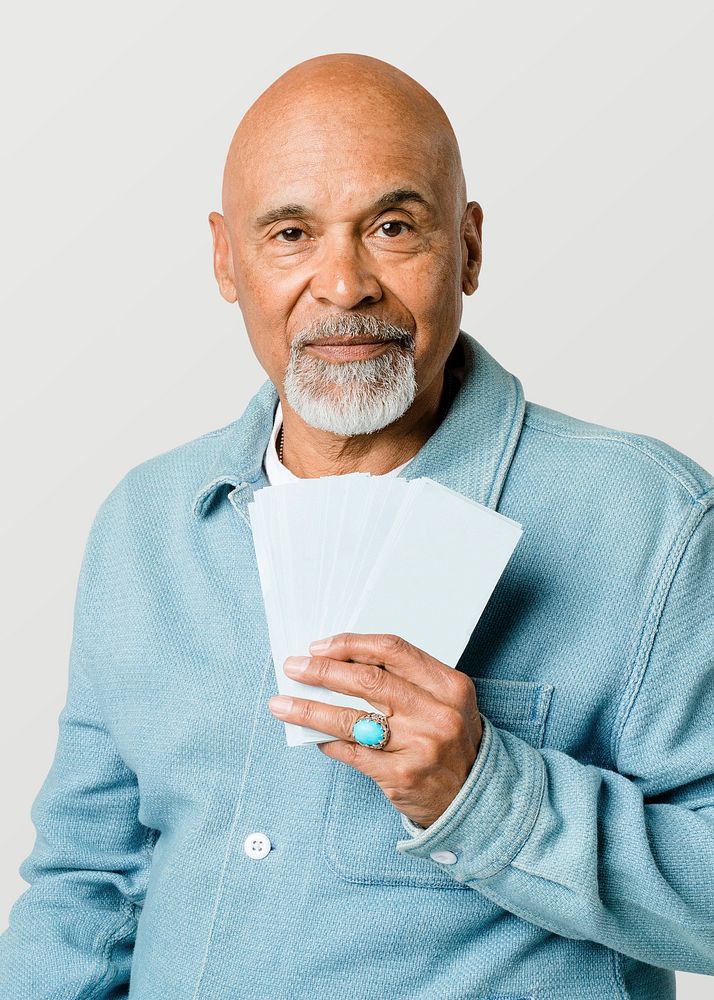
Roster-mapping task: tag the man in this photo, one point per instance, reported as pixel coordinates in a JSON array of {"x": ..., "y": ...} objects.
[{"x": 539, "y": 821}]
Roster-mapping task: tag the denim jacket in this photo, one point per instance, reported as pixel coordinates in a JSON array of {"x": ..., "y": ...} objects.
[{"x": 185, "y": 852}]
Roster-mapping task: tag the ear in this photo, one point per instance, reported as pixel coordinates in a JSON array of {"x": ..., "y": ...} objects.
[
  {"x": 222, "y": 258},
  {"x": 471, "y": 245}
]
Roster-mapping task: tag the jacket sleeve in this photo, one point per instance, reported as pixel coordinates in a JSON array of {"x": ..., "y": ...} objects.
[
  {"x": 622, "y": 857},
  {"x": 71, "y": 932}
]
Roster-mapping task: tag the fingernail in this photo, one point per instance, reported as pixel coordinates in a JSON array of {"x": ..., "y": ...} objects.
[
  {"x": 296, "y": 664},
  {"x": 319, "y": 645},
  {"x": 279, "y": 703}
]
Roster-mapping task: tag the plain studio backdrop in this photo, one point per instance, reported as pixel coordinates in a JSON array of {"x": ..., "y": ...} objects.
[{"x": 586, "y": 135}]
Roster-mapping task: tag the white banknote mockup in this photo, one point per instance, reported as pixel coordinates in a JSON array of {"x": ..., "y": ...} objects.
[{"x": 362, "y": 553}]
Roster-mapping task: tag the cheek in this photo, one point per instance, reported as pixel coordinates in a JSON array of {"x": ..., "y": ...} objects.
[
  {"x": 265, "y": 321},
  {"x": 433, "y": 290},
  {"x": 258, "y": 294},
  {"x": 267, "y": 296},
  {"x": 265, "y": 301}
]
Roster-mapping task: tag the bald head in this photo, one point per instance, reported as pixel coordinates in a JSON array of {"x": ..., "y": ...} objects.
[{"x": 340, "y": 98}]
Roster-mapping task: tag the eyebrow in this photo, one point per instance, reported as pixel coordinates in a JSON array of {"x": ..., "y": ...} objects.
[{"x": 390, "y": 199}]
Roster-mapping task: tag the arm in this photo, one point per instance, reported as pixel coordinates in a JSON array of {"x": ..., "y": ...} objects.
[
  {"x": 624, "y": 858},
  {"x": 71, "y": 932}
]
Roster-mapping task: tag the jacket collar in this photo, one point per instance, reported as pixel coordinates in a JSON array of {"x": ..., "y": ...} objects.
[{"x": 470, "y": 451}]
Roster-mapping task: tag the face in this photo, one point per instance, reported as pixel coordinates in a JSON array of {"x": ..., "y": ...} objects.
[{"x": 347, "y": 233}]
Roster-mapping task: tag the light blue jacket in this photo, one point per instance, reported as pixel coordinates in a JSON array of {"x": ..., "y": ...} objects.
[{"x": 181, "y": 843}]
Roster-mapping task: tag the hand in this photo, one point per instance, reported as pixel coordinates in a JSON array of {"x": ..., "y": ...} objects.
[{"x": 432, "y": 709}]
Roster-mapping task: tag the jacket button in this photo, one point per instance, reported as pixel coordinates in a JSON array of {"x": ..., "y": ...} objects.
[
  {"x": 444, "y": 857},
  {"x": 256, "y": 845}
]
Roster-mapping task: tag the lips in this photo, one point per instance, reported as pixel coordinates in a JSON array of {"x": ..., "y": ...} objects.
[{"x": 346, "y": 341}]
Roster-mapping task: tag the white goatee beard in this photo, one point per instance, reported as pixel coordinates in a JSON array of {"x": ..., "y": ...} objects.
[{"x": 351, "y": 397}]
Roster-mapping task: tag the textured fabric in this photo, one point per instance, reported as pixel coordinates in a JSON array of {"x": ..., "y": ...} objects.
[
  {"x": 584, "y": 833},
  {"x": 276, "y": 472}
]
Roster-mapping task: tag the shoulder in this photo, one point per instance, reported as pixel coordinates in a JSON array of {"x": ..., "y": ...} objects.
[
  {"x": 164, "y": 484},
  {"x": 634, "y": 463}
]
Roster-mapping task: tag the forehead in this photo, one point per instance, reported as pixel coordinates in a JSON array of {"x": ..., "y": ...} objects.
[{"x": 335, "y": 165}]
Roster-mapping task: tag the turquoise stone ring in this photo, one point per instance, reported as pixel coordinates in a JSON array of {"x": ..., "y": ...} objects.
[{"x": 371, "y": 730}]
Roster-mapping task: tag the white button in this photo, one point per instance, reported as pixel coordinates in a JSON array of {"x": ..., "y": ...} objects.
[
  {"x": 256, "y": 845},
  {"x": 444, "y": 857}
]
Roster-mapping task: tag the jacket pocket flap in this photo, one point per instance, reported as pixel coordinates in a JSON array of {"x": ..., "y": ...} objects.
[{"x": 521, "y": 707}]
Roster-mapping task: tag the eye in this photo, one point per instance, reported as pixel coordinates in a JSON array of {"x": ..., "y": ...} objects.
[
  {"x": 395, "y": 222},
  {"x": 292, "y": 230}
]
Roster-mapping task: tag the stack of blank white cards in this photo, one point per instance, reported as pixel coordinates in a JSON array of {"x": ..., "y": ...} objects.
[{"x": 378, "y": 554}]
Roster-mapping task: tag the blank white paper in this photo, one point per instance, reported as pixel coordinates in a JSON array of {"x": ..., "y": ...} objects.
[{"x": 366, "y": 553}]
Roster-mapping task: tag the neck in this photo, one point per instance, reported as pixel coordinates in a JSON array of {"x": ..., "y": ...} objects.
[{"x": 310, "y": 453}]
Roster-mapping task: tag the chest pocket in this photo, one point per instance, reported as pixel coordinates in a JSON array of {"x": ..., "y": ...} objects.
[{"x": 361, "y": 826}]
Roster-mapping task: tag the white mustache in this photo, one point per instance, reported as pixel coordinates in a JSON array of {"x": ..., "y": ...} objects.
[{"x": 347, "y": 327}]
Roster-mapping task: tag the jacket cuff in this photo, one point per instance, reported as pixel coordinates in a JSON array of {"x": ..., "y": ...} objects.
[{"x": 493, "y": 813}]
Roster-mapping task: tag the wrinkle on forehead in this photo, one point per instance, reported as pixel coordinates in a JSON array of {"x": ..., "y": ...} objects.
[{"x": 337, "y": 94}]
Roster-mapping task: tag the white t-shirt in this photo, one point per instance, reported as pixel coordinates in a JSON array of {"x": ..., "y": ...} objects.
[{"x": 279, "y": 473}]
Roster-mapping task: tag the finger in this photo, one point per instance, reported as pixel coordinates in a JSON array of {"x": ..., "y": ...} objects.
[
  {"x": 334, "y": 720},
  {"x": 387, "y": 692},
  {"x": 360, "y": 758},
  {"x": 399, "y": 657}
]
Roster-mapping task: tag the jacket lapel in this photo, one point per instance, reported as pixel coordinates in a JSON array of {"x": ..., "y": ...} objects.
[{"x": 472, "y": 448}]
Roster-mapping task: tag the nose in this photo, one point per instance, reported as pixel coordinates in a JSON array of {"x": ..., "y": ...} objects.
[{"x": 343, "y": 275}]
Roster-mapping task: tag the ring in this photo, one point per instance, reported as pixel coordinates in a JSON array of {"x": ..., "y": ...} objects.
[{"x": 371, "y": 730}]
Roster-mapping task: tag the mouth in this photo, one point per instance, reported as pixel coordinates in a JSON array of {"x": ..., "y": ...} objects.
[
  {"x": 346, "y": 341},
  {"x": 348, "y": 348}
]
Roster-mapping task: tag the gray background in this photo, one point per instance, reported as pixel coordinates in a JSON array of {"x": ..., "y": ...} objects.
[{"x": 586, "y": 134}]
